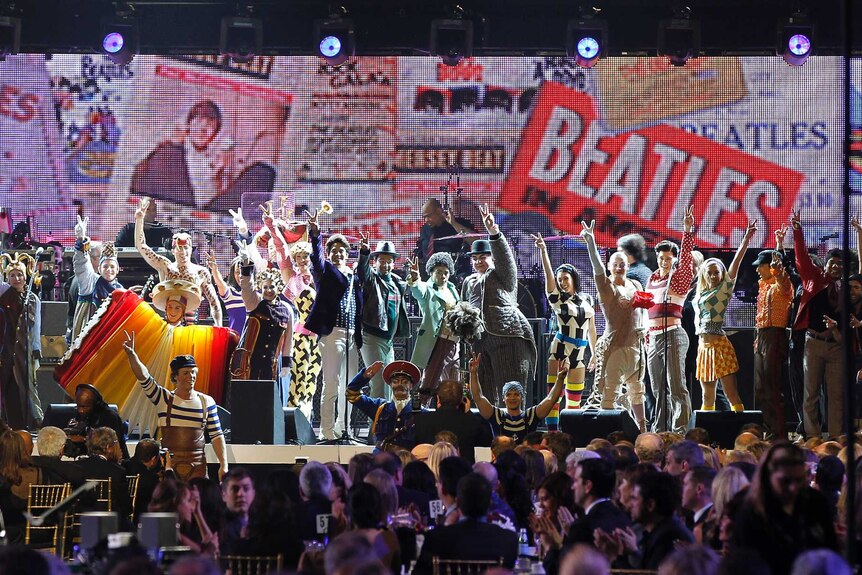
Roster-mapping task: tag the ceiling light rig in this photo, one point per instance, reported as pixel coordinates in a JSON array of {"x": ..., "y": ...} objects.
[
  {"x": 795, "y": 39},
  {"x": 679, "y": 37},
  {"x": 335, "y": 39},
  {"x": 587, "y": 41}
]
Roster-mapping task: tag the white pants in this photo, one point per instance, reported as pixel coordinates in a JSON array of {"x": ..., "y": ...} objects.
[{"x": 339, "y": 363}]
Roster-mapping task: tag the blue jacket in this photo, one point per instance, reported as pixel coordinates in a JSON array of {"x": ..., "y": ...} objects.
[{"x": 385, "y": 419}]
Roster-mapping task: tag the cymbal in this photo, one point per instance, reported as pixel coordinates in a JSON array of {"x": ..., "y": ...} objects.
[
  {"x": 461, "y": 236},
  {"x": 563, "y": 237}
]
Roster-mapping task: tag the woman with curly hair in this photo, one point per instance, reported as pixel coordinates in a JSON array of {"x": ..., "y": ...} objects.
[
  {"x": 17, "y": 473},
  {"x": 267, "y": 338},
  {"x": 436, "y": 349}
]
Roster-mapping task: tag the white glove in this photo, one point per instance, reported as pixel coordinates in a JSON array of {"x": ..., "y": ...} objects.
[
  {"x": 243, "y": 252},
  {"x": 81, "y": 227},
  {"x": 285, "y": 372},
  {"x": 239, "y": 221}
]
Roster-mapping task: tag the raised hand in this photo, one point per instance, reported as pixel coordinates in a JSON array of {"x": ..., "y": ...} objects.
[
  {"x": 474, "y": 362},
  {"x": 414, "y": 268},
  {"x": 311, "y": 221},
  {"x": 750, "y": 229},
  {"x": 449, "y": 216},
  {"x": 266, "y": 212},
  {"x": 779, "y": 235},
  {"x": 239, "y": 221},
  {"x": 688, "y": 220},
  {"x": 795, "y": 220},
  {"x": 243, "y": 253},
  {"x": 488, "y": 219},
  {"x": 588, "y": 231},
  {"x": 81, "y": 227},
  {"x": 854, "y": 221},
  {"x": 777, "y": 265},
  {"x": 539, "y": 241},
  {"x": 363, "y": 241},
  {"x": 129, "y": 344},
  {"x": 372, "y": 369},
  {"x": 143, "y": 205},
  {"x": 211, "y": 259}
]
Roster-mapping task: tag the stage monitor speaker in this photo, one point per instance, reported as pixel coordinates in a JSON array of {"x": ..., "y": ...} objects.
[
  {"x": 49, "y": 390},
  {"x": 724, "y": 426},
  {"x": 256, "y": 412},
  {"x": 585, "y": 425},
  {"x": 96, "y": 526},
  {"x": 297, "y": 429},
  {"x": 157, "y": 530},
  {"x": 60, "y": 414},
  {"x": 54, "y": 315}
]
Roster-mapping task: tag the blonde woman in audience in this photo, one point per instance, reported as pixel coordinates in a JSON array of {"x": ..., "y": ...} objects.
[
  {"x": 710, "y": 457},
  {"x": 440, "y": 451}
]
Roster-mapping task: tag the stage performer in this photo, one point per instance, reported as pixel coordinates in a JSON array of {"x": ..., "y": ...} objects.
[
  {"x": 716, "y": 358},
  {"x": 176, "y": 298},
  {"x": 514, "y": 420},
  {"x": 821, "y": 299},
  {"x": 507, "y": 346},
  {"x": 391, "y": 420},
  {"x": 334, "y": 317},
  {"x": 774, "y": 300},
  {"x": 436, "y": 348},
  {"x": 576, "y": 329},
  {"x": 384, "y": 315},
  {"x": 265, "y": 345},
  {"x": 93, "y": 287},
  {"x": 440, "y": 223},
  {"x": 229, "y": 292},
  {"x": 668, "y": 342},
  {"x": 619, "y": 351},
  {"x": 186, "y": 416},
  {"x": 180, "y": 269},
  {"x": 20, "y": 344}
]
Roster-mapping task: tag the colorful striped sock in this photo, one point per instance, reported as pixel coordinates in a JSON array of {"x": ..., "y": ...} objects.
[
  {"x": 553, "y": 419},
  {"x": 574, "y": 392},
  {"x": 737, "y": 407},
  {"x": 707, "y": 407}
]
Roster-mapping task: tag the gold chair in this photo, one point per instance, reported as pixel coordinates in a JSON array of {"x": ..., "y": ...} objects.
[
  {"x": 72, "y": 528},
  {"x": 40, "y": 499},
  {"x": 249, "y": 565},
  {"x": 103, "y": 494},
  {"x": 133, "y": 490},
  {"x": 463, "y": 566}
]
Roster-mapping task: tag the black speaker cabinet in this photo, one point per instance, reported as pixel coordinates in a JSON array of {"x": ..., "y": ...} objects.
[
  {"x": 586, "y": 425},
  {"x": 256, "y": 413},
  {"x": 724, "y": 426},
  {"x": 157, "y": 530},
  {"x": 297, "y": 428}
]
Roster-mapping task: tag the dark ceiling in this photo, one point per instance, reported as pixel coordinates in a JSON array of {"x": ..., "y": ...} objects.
[{"x": 502, "y": 27}]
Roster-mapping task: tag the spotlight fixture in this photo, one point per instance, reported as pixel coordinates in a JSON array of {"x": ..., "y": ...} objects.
[
  {"x": 586, "y": 41},
  {"x": 794, "y": 42},
  {"x": 452, "y": 40},
  {"x": 679, "y": 40},
  {"x": 241, "y": 38},
  {"x": 120, "y": 40},
  {"x": 10, "y": 36},
  {"x": 335, "y": 40}
]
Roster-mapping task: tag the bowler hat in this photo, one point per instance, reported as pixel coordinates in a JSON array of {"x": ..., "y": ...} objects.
[
  {"x": 384, "y": 248},
  {"x": 401, "y": 368},
  {"x": 480, "y": 247},
  {"x": 764, "y": 257}
]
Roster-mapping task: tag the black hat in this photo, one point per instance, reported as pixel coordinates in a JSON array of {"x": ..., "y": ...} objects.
[
  {"x": 384, "y": 248},
  {"x": 182, "y": 361},
  {"x": 764, "y": 257},
  {"x": 480, "y": 247}
]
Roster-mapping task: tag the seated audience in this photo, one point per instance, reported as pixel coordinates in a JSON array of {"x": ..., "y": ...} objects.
[
  {"x": 469, "y": 429},
  {"x": 146, "y": 464},
  {"x": 315, "y": 483},
  {"x": 238, "y": 493},
  {"x": 103, "y": 462},
  {"x": 51, "y": 443},
  {"x": 365, "y": 510}
]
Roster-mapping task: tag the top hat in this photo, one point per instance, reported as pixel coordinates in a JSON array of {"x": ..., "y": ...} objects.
[
  {"x": 401, "y": 368},
  {"x": 182, "y": 291},
  {"x": 480, "y": 247},
  {"x": 764, "y": 257},
  {"x": 384, "y": 248}
]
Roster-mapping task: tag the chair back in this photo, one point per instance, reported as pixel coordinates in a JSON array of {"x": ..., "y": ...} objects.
[
  {"x": 251, "y": 565},
  {"x": 463, "y": 566},
  {"x": 40, "y": 499},
  {"x": 133, "y": 489},
  {"x": 103, "y": 494},
  {"x": 72, "y": 528}
]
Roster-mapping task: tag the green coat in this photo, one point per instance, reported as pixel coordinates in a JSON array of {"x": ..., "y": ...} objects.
[{"x": 432, "y": 306}]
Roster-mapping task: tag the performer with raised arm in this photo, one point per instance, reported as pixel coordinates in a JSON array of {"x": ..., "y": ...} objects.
[
  {"x": 514, "y": 420},
  {"x": 716, "y": 358},
  {"x": 266, "y": 342},
  {"x": 182, "y": 268},
  {"x": 820, "y": 303},
  {"x": 228, "y": 291},
  {"x": 668, "y": 342},
  {"x": 384, "y": 315},
  {"x": 93, "y": 287},
  {"x": 774, "y": 300},
  {"x": 436, "y": 348},
  {"x": 619, "y": 351},
  {"x": 507, "y": 347},
  {"x": 576, "y": 329},
  {"x": 334, "y": 316},
  {"x": 391, "y": 420},
  {"x": 186, "y": 416}
]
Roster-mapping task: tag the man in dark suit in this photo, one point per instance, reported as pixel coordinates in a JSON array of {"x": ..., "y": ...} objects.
[
  {"x": 697, "y": 497},
  {"x": 51, "y": 442},
  {"x": 471, "y": 538},
  {"x": 593, "y": 485},
  {"x": 146, "y": 464},
  {"x": 471, "y": 429},
  {"x": 103, "y": 463},
  {"x": 315, "y": 482},
  {"x": 391, "y": 464}
]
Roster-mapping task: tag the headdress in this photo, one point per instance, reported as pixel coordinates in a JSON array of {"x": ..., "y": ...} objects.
[
  {"x": 514, "y": 386},
  {"x": 109, "y": 252},
  {"x": 182, "y": 361},
  {"x": 272, "y": 275},
  {"x": 182, "y": 291},
  {"x": 181, "y": 239},
  {"x": 19, "y": 261}
]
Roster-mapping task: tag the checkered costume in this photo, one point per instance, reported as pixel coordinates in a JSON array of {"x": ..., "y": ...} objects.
[{"x": 717, "y": 358}]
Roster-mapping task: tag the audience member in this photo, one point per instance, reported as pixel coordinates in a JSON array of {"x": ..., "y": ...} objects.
[
  {"x": 697, "y": 500},
  {"x": 498, "y": 506},
  {"x": 452, "y": 469},
  {"x": 366, "y": 511},
  {"x": 385, "y": 485},
  {"x": 689, "y": 560},
  {"x": 584, "y": 560},
  {"x": 146, "y": 464},
  {"x": 535, "y": 465},
  {"x": 389, "y": 462},
  {"x": 17, "y": 473},
  {"x": 820, "y": 562},
  {"x": 682, "y": 457},
  {"x": 440, "y": 451},
  {"x": 238, "y": 493},
  {"x": 418, "y": 477},
  {"x": 315, "y": 483},
  {"x": 51, "y": 442},
  {"x": 103, "y": 462},
  {"x": 649, "y": 448},
  {"x": 514, "y": 490},
  {"x": 698, "y": 435},
  {"x": 469, "y": 429}
]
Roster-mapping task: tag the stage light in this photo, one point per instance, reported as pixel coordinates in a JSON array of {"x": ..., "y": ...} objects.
[
  {"x": 452, "y": 40},
  {"x": 679, "y": 40},
  {"x": 335, "y": 40},
  {"x": 241, "y": 38},
  {"x": 10, "y": 36},
  {"x": 120, "y": 40},
  {"x": 586, "y": 41},
  {"x": 794, "y": 42}
]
